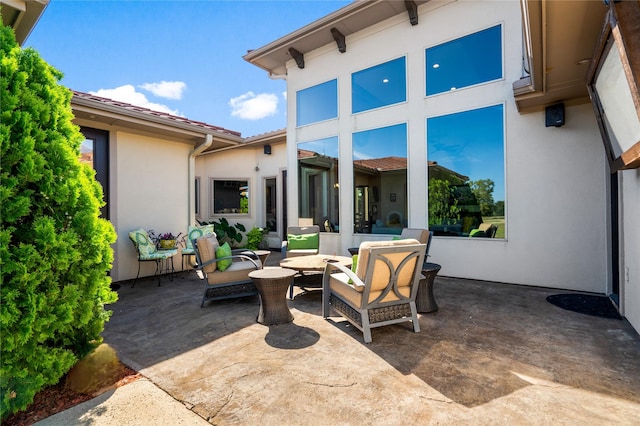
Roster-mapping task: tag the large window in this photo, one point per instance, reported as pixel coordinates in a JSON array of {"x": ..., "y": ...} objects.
[
  {"x": 230, "y": 196},
  {"x": 378, "y": 86},
  {"x": 380, "y": 179},
  {"x": 466, "y": 173},
  {"x": 469, "y": 60},
  {"x": 94, "y": 151},
  {"x": 318, "y": 186},
  {"x": 317, "y": 103}
]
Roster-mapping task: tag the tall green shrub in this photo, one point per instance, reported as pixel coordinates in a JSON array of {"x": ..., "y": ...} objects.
[{"x": 55, "y": 250}]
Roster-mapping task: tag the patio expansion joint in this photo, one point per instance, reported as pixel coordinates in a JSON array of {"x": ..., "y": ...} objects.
[{"x": 346, "y": 385}]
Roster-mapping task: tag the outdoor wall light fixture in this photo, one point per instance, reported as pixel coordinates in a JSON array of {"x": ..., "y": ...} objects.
[{"x": 267, "y": 149}]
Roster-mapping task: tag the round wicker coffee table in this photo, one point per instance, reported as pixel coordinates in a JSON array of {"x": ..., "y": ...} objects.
[{"x": 272, "y": 284}]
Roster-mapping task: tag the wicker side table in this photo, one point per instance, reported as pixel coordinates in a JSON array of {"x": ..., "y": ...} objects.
[
  {"x": 425, "y": 301},
  {"x": 272, "y": 284}
]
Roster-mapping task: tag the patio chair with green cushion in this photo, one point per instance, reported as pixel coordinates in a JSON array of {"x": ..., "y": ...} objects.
[
  {"x": 225, "y": 272},
  {"x": 484, "y": 230},
  {"x": 193, "y": 233},
  {"x": 301, "y": 241},
  {"x": 383, "y": 288},
  {"x": 148, "y": 252}
]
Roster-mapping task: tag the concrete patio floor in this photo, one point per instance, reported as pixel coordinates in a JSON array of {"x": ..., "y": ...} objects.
[{"x": 492, "y": 354}]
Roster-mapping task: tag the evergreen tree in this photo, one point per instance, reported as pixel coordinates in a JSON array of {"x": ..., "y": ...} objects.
[{"x": 55, "y": 250}]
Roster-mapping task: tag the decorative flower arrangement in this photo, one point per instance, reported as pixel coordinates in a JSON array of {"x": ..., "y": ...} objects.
[
  {"x": 169, "y": 236},
  {"x": 164, "y": 241}
]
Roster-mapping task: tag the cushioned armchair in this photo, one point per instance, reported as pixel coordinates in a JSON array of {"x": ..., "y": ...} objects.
[
  {"x": 423, "y": 236},
  {"x": 148, "y": 252},
  {"x": 383, "y": 288},
  {"x": 193, "y": 233},
  {"x": 225, "y": 272},
  {"x": 301, "y": 241}
]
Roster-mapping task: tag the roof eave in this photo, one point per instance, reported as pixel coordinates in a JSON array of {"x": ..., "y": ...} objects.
[
  {"x": 318, "y": 33},
  {"x": 115, "y": 115}
]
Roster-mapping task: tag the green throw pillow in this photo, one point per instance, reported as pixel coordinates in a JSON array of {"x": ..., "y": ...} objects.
[
  {"x": 224, "y": 251},
  {"x": 476, "y": 233},
  {"x": 304, "y": 241},
  {"x": 354, "y": 265}
]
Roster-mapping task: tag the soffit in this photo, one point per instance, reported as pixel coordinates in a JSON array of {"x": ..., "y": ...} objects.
[
  {"x": 563, "y": 35},
  {"x": 22, "y": 16},
  {"x": 348, "y": 20},
  {"x": 275, "y": 137}
]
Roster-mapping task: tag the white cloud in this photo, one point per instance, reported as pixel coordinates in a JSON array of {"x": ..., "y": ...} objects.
[
  {"x": 166, "y": 89},
  {"x": 359, "y": 155},
  {"x": 128, "y": 94},
  {"x": 284, "y": 95},
  {"x": 250, "y": 106}
]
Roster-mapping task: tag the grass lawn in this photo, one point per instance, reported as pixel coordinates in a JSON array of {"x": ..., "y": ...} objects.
[{"x": 498, "y": 221}]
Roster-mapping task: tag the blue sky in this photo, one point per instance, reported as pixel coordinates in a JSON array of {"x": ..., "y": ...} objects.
[{"x": 181, "y": 57}]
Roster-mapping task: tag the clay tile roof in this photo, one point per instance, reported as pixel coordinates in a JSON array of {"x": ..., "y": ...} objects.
[
  {"x": 152, "y": 113},
  {"x": 383, "y": 164}
]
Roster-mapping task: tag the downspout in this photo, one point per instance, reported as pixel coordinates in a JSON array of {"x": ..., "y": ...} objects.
[{"x": 208, "y": 141}]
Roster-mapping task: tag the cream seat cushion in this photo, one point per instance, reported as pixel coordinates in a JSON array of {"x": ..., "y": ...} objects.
[{"x": 237, "y": 271}]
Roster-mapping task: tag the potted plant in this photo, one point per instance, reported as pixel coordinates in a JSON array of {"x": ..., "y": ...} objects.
[
  {"x": 255, "y": 237},
  {"x": 228, "y": 233},
  {"x": 167, "y": 240}
]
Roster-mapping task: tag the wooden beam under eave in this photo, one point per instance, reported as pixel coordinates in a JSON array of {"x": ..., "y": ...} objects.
[
  {"x": 340, "y": 39},
  {"x": 412, "y": 9},
  {"x": 298, "y": 56}
]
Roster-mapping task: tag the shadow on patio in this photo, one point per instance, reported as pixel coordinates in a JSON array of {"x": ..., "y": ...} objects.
[{"x": 493, "y": 353}]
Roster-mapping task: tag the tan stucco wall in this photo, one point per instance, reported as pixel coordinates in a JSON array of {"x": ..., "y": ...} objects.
[
  {"x": 241, "y": 164},
  {"x": 149, "y": 189}
]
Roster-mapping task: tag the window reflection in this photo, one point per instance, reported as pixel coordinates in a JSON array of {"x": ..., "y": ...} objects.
[
  {"x": 86, "y": 151},
  {"x": 271, "y": 203},
  {"x": 380, "y": 179},
  {"x": 317, "y": 103},
  {"x": 466, "y": 173},
  {"x": 378, "y": 86},
  {"x": 230, "y": 196},
  {"x": 469, "y": 60},
  {"x": 318, "y": 182}
]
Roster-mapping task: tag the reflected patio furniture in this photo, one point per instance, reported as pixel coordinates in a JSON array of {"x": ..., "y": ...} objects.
[
  {"x": 232, "y": 282},
  {"x": 148, "y": 252},
  {"x": 383, "y": 289},
  {"x": 484, "y": 230},
  {"x": 328, "y": 226},
  {"x": 301, "y": 241}
]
